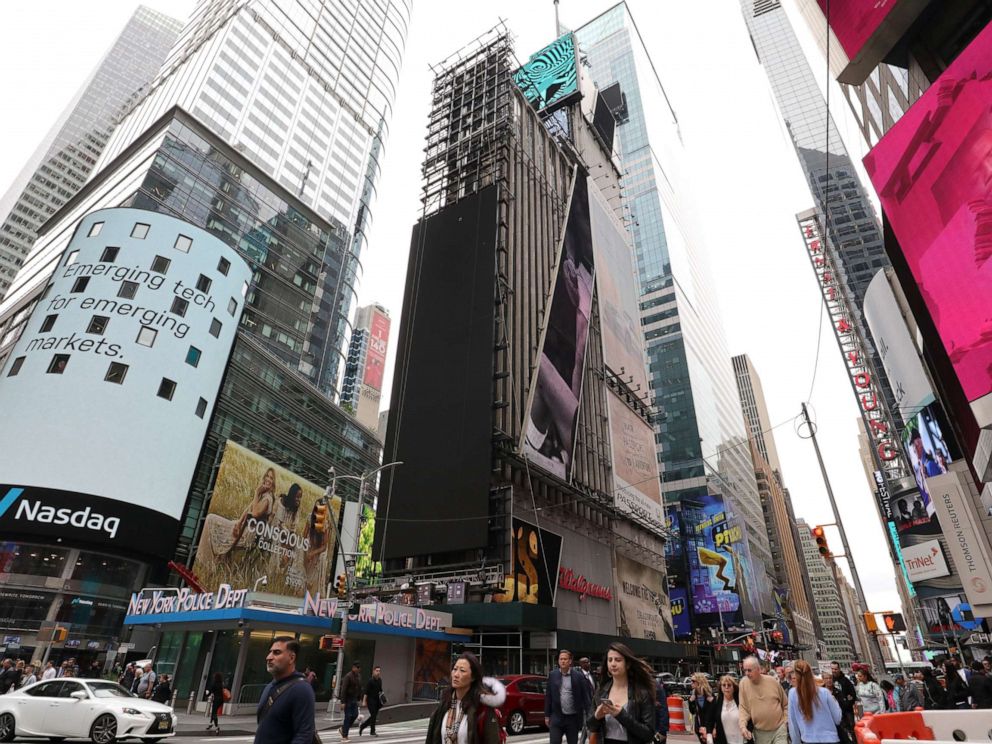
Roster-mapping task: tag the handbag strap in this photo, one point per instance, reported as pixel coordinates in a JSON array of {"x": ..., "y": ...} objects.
[{"x": 274, "y": 695}]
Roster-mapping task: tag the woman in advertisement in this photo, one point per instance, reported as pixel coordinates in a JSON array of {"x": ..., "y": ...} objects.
[{"x": 221, "y": 536}]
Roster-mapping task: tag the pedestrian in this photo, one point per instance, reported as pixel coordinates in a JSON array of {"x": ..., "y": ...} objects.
[
  {"x": 373, "y": 700},
  {"x": 870, "y": 695},
  {"x": 351, "y": 693},
  {"x": 908, "y": 695},
  {"x": 127, "y": 678},
  {"x": 700, "y": 698},
  {"x": 146, "y": 685},
  {"x": 763, "y": 704},
  {"x": 585, "y": 668},
  {"x": 889, "y": 693},
  {"x": 285, "y": 713},
  {"x": 49, "y": 672},
  {"x": 956, "y": 695},
  {"x": 662, "y": 720},
  {"x": 465, "y": 714},
  {"x": 9, "y": 676},
  {"x": 565, "y": 700},
  {"x": 846, "y": 696},
  {"x": 933, "y": 693},
  {"x": 723, "y": 723},
  {"x": 138, "y": 672},
  {"x": 163, "y": 690},
  {"x": 28, "y": 677},
  {"x": 980, "y": 686},
  {"x": 625, "y": 710},
  {"x": 216, "y": 697},
  {"x": 311, "y": 676},
  {"x": 814, "y": 715}
]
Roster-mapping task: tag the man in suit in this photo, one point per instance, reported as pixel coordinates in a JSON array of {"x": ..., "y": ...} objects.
[{"x": 568, "y": 696}]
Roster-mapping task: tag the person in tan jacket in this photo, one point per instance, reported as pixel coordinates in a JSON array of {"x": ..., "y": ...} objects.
[{"x": 762, "y": 703}]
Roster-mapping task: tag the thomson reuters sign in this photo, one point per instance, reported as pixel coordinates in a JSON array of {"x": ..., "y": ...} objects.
[{"x": 925, "y": 561}]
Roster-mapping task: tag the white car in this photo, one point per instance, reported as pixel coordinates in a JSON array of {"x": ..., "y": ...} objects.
[{"x": 70, "y": 708}]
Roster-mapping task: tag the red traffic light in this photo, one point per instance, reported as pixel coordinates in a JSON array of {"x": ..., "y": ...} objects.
[{"x": 821, "y": 541}]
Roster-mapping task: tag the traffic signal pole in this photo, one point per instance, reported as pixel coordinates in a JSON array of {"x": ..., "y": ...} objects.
[{"x": 879, "y": 662}]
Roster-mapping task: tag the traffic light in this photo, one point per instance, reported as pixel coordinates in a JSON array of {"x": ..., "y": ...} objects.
[
  {"x": 320, "y": 517},
  {"x": 341, "y": 586},
  {"x": 59, "y": 634},
  {"x": 870, "y": 623},
  {"x": 821, "y": 541},
  {"x": 894, "y": 622}
]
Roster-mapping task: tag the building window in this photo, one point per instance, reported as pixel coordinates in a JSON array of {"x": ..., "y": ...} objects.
[
  {"x": 71, "y": 258},
  {"x": 95, "y": 229},
  {"x": 215, "y": 326},
  {"x": 116, "y": 373},
  {"x": 146, "y": 336},
  {"x": 19, "y": 362},
  {"x": 160, "y": 265},
  {"x": 244, "y": 289},
  {"x": 58, "y": 363},
  {"x": 48, "y": 323},
  {"x": 166, "y": 388},
  {"x": 139, "y": 231},
  {"x": 201, "y": 406},
  {"x": 183, "y": 244},
  {"x": 98, "y": 324},
  {"x": 109, "y": 254},
  {"x": 193, "y": 357},
  {"x": 128, "y": 290},
  {"x": 232, "y": 306},
  {"x": 223, "y": 266},
  {"x": 203, "y": 284},
  {"x": 179, "y": 307},
  {"x": 80, "y": 284}
]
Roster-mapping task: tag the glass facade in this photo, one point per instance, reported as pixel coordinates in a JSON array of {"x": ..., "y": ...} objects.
[
  {"x": 67, "y": 155},
  {"x": 700, "y": 435}
]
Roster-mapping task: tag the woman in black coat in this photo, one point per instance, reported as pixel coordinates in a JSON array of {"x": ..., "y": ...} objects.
[
  {"x": 625, "y": 700},
  {"x": 216, "y": 701},
  {"x": 714, "y": 723}
]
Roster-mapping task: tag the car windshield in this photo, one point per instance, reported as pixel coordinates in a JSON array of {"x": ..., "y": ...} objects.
[{"x": 108, "y": 690}]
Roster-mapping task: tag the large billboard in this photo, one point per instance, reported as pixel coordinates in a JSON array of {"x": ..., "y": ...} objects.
[
  {"x": 375, "y": 356},
  {"x": 265, "y": 520},
  {"x": 931, "y": 174},
  {"x": 549, "y": 79},
  {"x": 680, "y": 612},
  {"x": 107, "y": 395},
  {"x": 644, "y": 609},
  {"x": 928, "y": 455},
  {"x": 549, "y": 434},
  {"x": 636, "y": 485},
  {"x": 925, "y": 560},
  {"x": 535, "y": 555},
  {"x": 903, "y": 367}
]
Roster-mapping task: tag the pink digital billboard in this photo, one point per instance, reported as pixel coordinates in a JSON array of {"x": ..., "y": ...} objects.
[
  {"x": 933, "y": 175},
  {"x": 854, "y": 21}
]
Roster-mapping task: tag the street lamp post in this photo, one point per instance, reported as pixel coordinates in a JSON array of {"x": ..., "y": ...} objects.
[{"x": 349, "y": 555}]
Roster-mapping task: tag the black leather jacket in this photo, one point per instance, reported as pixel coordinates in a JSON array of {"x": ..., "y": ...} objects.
[{"x": 637, "y": 717}]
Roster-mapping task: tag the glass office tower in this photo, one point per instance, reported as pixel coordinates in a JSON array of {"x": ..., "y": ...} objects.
[
  {"x": 66, "y": 157},
  {"x": 701, "y": 441}
]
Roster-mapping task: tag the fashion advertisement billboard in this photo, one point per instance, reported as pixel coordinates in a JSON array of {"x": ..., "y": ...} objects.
[
  {"x": 265, "y": 521},
  {"x": 907, "y": 378},
  {"x": 930, "y": 172},
  {"x": 535, "y": 555},
  {"x": 643, "y": 601},
  {"x": 549, "y": 436},
  {"x": 928, "y": 455},
  {"x": 113, "y": 381}
]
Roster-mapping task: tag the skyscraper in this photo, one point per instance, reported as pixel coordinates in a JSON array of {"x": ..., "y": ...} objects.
[
  {"x": 361, "y": 385},
  {"x": 830, "y": 606},
  {"x": 702, "y": 445},
  {"x": 67, "y": 155}
]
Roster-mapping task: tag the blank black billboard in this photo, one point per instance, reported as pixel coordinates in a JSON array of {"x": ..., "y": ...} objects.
[{"x": 440, "y": 419}]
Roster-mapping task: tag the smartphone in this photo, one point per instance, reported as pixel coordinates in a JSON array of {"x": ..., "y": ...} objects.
[{"x": 605, "y": 701}]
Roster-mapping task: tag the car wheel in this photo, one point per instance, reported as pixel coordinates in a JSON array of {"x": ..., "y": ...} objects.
[
  {"x": 516, "y": 722},
  {"x": 7, "y": 727},
  {"x": 104, "y": 729}
]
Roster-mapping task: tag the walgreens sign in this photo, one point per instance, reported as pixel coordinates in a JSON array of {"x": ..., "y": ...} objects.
[{"x": 925, "y": 561}]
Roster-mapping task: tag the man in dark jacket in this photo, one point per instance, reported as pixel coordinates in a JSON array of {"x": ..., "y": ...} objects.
[
  {"x": 568, "y": 696},
  {"x": 846, "y": 696},
  {"x": 372, "y": 700},
  {"x": 351, "y": 693},
  {"x": 661, "y": 718},
  {"x": 285, "y": 711},
  {"x": 980, "y": 686}
]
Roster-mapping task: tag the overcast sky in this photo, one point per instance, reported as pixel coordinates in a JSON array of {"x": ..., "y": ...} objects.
[{"x": 745, "y": 171}]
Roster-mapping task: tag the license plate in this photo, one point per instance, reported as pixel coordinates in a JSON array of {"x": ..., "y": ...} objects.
[{"x": 163, "y": 725}]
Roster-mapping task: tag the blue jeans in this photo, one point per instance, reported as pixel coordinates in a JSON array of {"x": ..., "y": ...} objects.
[{"x": 350, "y": 716}]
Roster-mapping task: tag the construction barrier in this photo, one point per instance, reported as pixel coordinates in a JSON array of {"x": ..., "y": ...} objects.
[
  {"x": 676, "y": 714},
  {"x": 927, "y": 725}
]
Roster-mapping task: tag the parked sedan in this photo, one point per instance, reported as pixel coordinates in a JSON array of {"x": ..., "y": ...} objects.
[
  {"x": 83, "y": 708},
  {"x": 524, "y": 704}
]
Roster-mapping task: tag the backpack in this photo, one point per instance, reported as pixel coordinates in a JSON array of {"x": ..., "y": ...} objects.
[{"x": 482, "y": 720}]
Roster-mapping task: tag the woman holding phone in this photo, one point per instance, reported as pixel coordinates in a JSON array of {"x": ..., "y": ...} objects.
[{"x": 625, "y": 700}]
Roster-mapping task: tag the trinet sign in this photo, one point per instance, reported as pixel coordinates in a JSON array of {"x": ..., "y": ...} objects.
[{"x": 925, "y": 561}]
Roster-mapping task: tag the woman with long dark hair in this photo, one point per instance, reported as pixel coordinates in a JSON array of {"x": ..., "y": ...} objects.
[
  {"x": 625, "y": 700},
  {"x": 869, "y": 692},
  {"x": 814, "y": 714},
  {"x": 466, "y": 712},
  {"x": 216, "y": 701}
]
